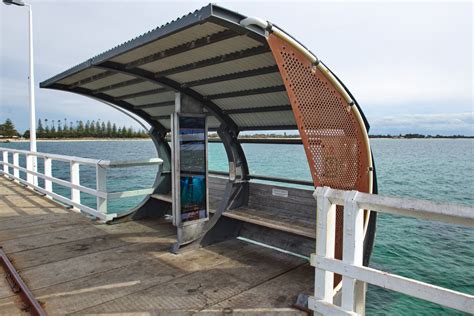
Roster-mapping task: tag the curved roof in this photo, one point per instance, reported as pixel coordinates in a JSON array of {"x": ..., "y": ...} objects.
[{"x": 206, "y": 54}]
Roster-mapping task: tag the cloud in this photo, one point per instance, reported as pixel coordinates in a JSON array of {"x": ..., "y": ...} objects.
[
  {"x": 444, "y": 124},
  {"x": 398, "y": 59}
]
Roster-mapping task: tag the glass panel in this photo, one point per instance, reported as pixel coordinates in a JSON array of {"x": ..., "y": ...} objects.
[{"x": 192, "y": 141}]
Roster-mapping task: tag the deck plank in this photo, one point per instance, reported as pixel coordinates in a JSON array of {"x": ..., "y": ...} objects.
[
  {"x": 279, "y": 292},
  {"x": 190, "y": 293},
  {"x": 75, "y": 265},
  {"x": 76, "y": 232},
  {"x": 79, "y": 294},
  {"x": 35, "y": 230},
  {"x": 78, "y": 267},
  {"x": 116, "y": 236}
]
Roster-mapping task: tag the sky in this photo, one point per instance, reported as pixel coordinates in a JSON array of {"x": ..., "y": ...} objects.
[{"x": 409, "y": 65}]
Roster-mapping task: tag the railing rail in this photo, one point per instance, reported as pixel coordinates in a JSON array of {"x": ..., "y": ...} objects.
[
  {"x": 100, "y": 192},
  {"x": 354, "y": 275},
  {"x": 268, "y": 178}
]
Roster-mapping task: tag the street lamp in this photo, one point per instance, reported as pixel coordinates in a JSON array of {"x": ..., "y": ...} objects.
[{"x": 31, "y": 161}]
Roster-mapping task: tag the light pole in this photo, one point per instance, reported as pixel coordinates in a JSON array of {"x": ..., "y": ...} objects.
[{"x": 31, "y": 160}]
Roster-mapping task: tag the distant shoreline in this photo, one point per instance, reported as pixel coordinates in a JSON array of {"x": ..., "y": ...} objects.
[
  {"x": 88, "y": 139},
  {"x": 244, "y": 139}
]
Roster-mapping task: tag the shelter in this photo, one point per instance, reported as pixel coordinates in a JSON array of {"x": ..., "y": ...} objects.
[{"x": 242, "y": 74}]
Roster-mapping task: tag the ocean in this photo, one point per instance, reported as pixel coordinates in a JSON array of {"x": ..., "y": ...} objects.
[{"x": 433, "y": 169}]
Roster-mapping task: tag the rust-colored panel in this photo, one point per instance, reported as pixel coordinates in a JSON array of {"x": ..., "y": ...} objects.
[{"x": 332, "y": 136}]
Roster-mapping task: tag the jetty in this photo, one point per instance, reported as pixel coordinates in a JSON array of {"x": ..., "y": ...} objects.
[
  {"x": 75, "y": 265},
  {"x": 205, "y": 242}
]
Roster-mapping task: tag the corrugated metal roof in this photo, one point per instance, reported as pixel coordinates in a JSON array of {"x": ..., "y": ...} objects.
[
  {"x": 283, "y": 118},
  {"x": 212, "y": 50},
  {"x": 187, "y": 35},
  {"x": 252, "y": 101},
  {"x": 225, "y": 68},
  {"x": 159, "y": 111},
  {"x": 81, "y": 75},
  {"x": 107, "y": 81},
  {"x": 154, "y": 98},
  {"x": 261, "y": 81},
  {"x": 143, "y": 86},
  {"x": 223, "y": 47}
]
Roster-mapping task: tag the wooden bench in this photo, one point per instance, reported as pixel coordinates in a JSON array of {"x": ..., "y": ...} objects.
[
  {"x": 278, "y": 216},
  {"x": 290, "y": 210}
]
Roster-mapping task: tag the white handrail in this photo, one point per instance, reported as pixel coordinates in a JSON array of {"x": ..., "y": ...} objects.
[
  {"x": 354, "y": 275},
  {"x": 100, "y": 192},
  {"x": 83, "y": 161}
]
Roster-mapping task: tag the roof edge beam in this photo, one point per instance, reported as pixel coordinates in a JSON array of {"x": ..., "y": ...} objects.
[
  {"x": 242, "y": 93},
  {"x": 200, "y": 42},
  {"x": 233, "y": 76},
  {"x": 276, "y": 108}
]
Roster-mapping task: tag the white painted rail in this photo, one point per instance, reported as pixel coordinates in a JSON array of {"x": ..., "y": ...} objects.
[
  {"x": 11, "y": 169},
  {"x": 355, "y": 276}
]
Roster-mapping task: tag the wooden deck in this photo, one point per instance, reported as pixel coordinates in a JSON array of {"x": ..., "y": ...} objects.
[{"x": 76, "y": 266}]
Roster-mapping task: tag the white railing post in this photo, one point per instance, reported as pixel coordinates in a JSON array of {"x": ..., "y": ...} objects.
[
  {"x": 325, "y": 243},
  {"x": 353, "y": 291},
  {"x": 16, "y": 164},
  {"x": 29, "y": 167},
  {"x": 75, "y": 193},
  {"x": 48, "y": 185},
  {"x": 101, "y": 186},
  {"x": 5, "y": 160}
]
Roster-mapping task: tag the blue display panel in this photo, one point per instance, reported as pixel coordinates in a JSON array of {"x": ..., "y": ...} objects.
[{"x": 193, "y": 168}]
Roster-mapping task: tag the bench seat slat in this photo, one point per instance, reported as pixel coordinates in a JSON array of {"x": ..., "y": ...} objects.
[{"x": 267, "y": 219}]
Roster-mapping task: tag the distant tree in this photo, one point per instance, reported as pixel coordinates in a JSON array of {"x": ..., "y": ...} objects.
[
  {"x": 103, "y": 129},
  {"x": 92, "y": 129},
  {"x": 97, "y": 128},
  {"x": 109, "y": 129},
  {"x": 87, "y": 129},
  {"x": 7, "y": 129},
  {"x": 65, "y": 128},
  {"x": 47, "y": 131},
  {"x": 40, "y": 129},
  {"x": 59, "y": 133},
  {"x": 80, "y": 128},
  {"x": 26, "y": 134}
]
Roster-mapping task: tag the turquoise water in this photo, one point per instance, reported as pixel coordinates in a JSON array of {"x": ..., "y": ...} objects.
[{"x": 436, "y": 169}]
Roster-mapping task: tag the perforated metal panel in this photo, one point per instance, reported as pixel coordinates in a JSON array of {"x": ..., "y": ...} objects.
[{"x": 332, "y": 135}]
